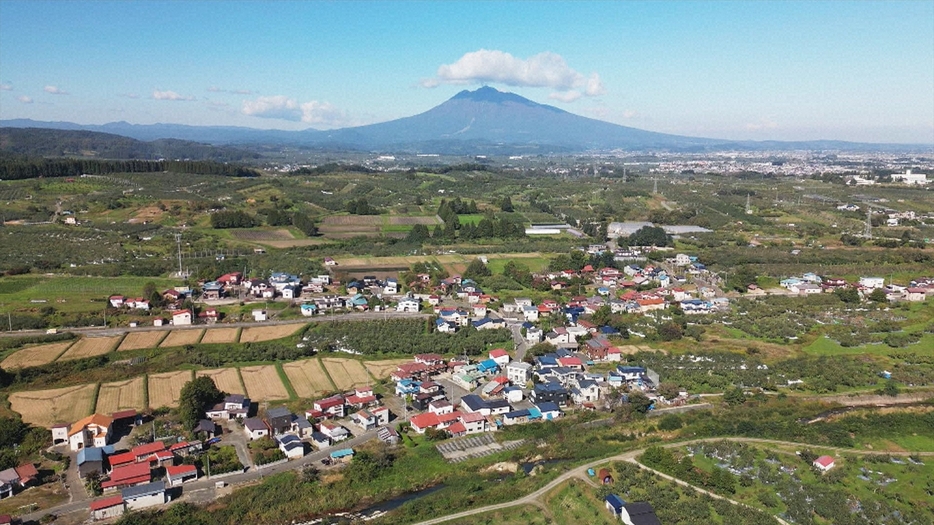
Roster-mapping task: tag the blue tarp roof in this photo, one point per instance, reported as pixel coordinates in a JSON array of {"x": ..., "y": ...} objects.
[
  {"x": 616, "y": 502},
  {"x": 342, "y": 453}
]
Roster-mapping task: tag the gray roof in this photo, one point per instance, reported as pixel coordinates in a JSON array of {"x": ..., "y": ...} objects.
[
  {"x": 143, "y": 490},
  {"x": 254, "y": 424},
  {"x": 278, "y": 412},
  {"x": 519, "y": 364}
]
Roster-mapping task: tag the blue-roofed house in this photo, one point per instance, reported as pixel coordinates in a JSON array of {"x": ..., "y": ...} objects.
[
  {"x": 546, "y": 361},
  {"x": 488, "y": 366},
  {"x": 407, "y": 387},
  {"x": 445, "y": 327},
  {"x": 359, "y": 302},
  {"x": 630, "y": 373},
  {"x": 516, "y": 417},
  {"x": 548, "y": 411},
  {"x": 309, "y": 309},
  {"x": 474, "y": 403},
  {"x": 91, "y": 459},
  {"x": 614, "y": 504},
  {"x": 344, "y": 454}
]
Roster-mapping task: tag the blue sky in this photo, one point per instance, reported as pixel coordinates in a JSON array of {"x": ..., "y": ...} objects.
[{"x": 861, "y": 71}]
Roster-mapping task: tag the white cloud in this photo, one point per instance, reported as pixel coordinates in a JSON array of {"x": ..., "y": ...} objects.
[
  {"x": 762, "y": 124},
  {"x": 169, "y": 95},
  {"x": 55, "y": 90},
  {"x": 542, "y": 70},
  {"x": 282, "y": 107},
  {"x": 24, "y": 99},
  {"x": 565, "y": 96},
  {"x": 6, "y": 87}
]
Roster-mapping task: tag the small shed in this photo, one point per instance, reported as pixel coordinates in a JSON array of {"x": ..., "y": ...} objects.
[{"x": 343, "y": 455}]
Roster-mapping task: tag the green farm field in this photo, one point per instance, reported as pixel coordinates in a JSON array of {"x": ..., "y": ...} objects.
[{"x": 71, "y": 293}]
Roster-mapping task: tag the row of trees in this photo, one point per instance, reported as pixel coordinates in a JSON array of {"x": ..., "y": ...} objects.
[
  {"x": 17, "y": 168},
  {"x": 305, "y": 224},
  {"x": 232, "y": 219}
]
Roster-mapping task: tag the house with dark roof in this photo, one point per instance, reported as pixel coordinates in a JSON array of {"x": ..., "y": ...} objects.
[
  {"x": 143, "y": 496},
  {"x": 550, "y": 392},
  {"x": 320, "y": 440},
  {"x": 639, "y": 513},
  {"x": 279, "y": 420},
  {"x": 255, "y": 428}
]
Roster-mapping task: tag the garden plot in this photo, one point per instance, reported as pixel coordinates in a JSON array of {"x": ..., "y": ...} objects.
[
  {"x": 181, "y": 338},
  {"x": 307, "y": 378},
  {"x": 61, "y": 405},
  {"x": 140, "y": 340},
  {"x": 268, "y": 333},
  {"x": 164, "y": 389},
  {"x": 226, "y": 379},
  {"x": 35, "y": 355},
  {"x": 263, "y": 383},
  {"x": 382, "y": 369},
  {"x": 220, "y": 335},
  {"x": 346, "y": 373},
  {"x": 121, "y": 395},
  {"x": 90, "y": 347}
]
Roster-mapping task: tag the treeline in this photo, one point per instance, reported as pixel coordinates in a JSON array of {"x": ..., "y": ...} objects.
[
  {"x": 332, "y": 167},
  {"x": 232, "y": 219},
  {"x": 361, "y": 207},
  {"x": 286, "y": 218},
  {"x": 17, "y": 168}
]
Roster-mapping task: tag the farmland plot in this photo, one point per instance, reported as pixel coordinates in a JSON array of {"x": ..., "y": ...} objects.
[
  {"x": 346, "y": 373},
  {"x": 47, "y": 407},
  {"x": 220, "y": 335},
  {"x": 382, "y": 369},
  {"x": 140, "y": 340},
  {"x": 90, "y": 347},
  {"x": 254, "y": 334},
  {"x": 263, "y": 383},
  {"x": 307, "y": 378},
  {"x": 165, "y": 388},
  {"x": 226, "y": 379},
  {"x": 35, "y": 355},
  {"x": 121, "y": 395},
  {"x": 181, "y": 338}
]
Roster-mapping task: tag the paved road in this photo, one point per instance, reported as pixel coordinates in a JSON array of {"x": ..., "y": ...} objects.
[{"x": 580, "y": 472}]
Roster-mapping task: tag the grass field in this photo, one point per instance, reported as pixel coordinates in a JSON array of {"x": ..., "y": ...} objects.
[
  {"x": 220, "y": 335},
  {"x": 574, "y": 502},
  {"x": 121, "y": 395},
  {"x": 521, "y": 515},
  {"x": 308, "y": 378},
  {"x": 72, "y": 293},
  {"x": 90, "y": 347},
  {"x": 139, "y": 340},
  {"x": 382, "y": 369},
  {"x": 263, "y": 383},
  {"x": 181, "y": 338},
  {"x": 268, "y": 333},
  {"x": 346, "y": 373},
  {"x": 45, "y": 408},
  {"x": 164, "y": 388},
  {"x": 35, "y": 355},
  {"x": 226, "y": 379}
]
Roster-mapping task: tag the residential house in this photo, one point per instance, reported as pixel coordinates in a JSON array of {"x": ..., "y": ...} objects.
[
  {"x": 177, "y": 475},
  {"x": 181, "y": 317},
  {"x": 391, "y": 286},
  {"x": 445, "y": 327},
  {"x": 334, "y": 431},
  {"x": 279, "y": 420},
  {"x": 639, "y": 513},
  {"x": 548, "y": 410},
  {"x": 500, "y": 357},
  {"x": 107, "y": 508},
  {"x": 142, "y": 496},
  {"x": 586, "y": 391},
  {"x": 388, "y": 435},
  {"x": 518, "y": 372},
  {"x": 91, "y": 460},
  {"x": 256, "y": 428},
  {"x": 302, "y": 427},
  {"x": 533, "y": 335},
  {"x": 309, "y": 309},
  {"x": 408, "y": 304},
  {"x": 320, "y": 440},
  {"x": 331, "y": 406},
  {"x": 291, "y": 446},
  {"x": 872, "y": 282},
  {"x": 92, "y": 431},
  {"x": 117, "y": 301},
  {"x": 422, "y": 422},
  {"x": 550, "y": 392},
  {"x": 212, "y": 291},
  {"x": 128, "y": 476}
]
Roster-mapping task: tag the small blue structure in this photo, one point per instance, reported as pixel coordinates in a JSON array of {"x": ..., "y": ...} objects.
[
  {"x": 342, "y": 453},
  {"x": 614, "y": 504},
  {"x": 591, "y": 473}
]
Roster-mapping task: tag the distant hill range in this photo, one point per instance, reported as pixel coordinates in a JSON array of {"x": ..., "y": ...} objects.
[
  {"x": 484, "y": 121},
  {"x": 36, "y": 142}
]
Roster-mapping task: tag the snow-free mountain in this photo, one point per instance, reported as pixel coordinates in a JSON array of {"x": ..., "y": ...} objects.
[{"x": 485, "y": 120}]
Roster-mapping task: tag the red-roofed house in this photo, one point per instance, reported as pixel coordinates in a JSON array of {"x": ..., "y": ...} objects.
[
  {"x": 128, "y": 476},
  {"x": 500, "y": 356},
  {"x": 146, "y": 452},
  {"x": 111, "y": 507},
  {"x": 571, "y": 362},
  {"x": 473, "y": 422},
  {"x": 429, "y": 359},
  {"x": 824, "y": 463},
  {"x": 332, "y": 406},
  {"x": 181, "y": 317},
  {"x": 457, "y": 429},
  {"x": 27, "y": 473},
  {"x": 119, "y": 460},
  {"x": 423, "y": 422},
  {"x": 181, "y": 474}
]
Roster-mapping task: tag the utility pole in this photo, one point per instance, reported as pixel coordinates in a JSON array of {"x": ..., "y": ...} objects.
[
  {"x": 868, "y": 232},
  {"x": 655, "y": 187},
  {"x": 178, "y": 242}
]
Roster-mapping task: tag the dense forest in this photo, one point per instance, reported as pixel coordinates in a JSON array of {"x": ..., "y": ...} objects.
[{"x": 18, "y": 167}]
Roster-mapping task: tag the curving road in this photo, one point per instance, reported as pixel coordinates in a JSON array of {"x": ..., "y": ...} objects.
[{"x": 580, "y": 472}]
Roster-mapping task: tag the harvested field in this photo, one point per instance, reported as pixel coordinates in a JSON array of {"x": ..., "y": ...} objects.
[
  {"x": 263, "y": 383},
  {"x": 48, "y": 407},
  {"x": 35, "y": 355},
  {"x": 412, "y": 221},
  {"x": 226, "y": 379},
  {"x": 352, "y": 220},
  {"x": 220, "y": 335},
  {"x": 262, "y": 235},
  {"x": 346, "y": 373},
  {"x": 139, "y": 340},
  {"x": 308, "y": 378},
  {"x": 165, "y": 388},
  {"x": 382, "y": 369},
  {"x": 181, "y": 338},
  {"x": 90, "y": 347},
  {"x": 121, "y": 395},
  {"x": 268, "y": 333}
]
